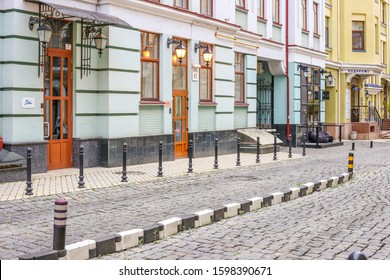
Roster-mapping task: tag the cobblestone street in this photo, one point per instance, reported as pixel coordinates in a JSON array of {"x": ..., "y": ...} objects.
[{"x": 325, "y": 225}]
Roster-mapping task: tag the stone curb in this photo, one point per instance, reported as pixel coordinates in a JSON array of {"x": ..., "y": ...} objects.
[{"x": 89, "y": 249}]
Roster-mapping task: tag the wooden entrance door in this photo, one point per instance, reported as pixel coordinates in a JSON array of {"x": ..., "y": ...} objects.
[
  {"x": 180, "y": 104},
  {"x": 180, "y": 120},
  {"x": 58, "y": 108}
]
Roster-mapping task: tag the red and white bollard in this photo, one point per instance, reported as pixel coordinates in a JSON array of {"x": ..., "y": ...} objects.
[{"x": 60, "y": 215}]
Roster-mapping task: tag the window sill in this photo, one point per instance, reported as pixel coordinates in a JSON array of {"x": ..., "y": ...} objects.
[
  {"x": 305, "y": 31},
  {"x": 151, "y": 102},
  {"x": 241, "y": 9},
  {"x": 359, "y": 51},
  {"x": 277, "y": 24},
  {"x": 261, "y": 19},
  {"x": 241, "y": 104},
  {"x": 207, "y": 103},
  {"x": 317, "y": 35}
]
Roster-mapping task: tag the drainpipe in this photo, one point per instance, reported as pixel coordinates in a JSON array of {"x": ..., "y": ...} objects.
[{"x": 288, "y": 78}]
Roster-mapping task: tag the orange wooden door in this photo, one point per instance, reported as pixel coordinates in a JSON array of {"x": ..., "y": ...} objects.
[
  {"x": 180, "y": 123},
  {"x": 58, "y": 108},
  {"x": 180, "y": 103}
]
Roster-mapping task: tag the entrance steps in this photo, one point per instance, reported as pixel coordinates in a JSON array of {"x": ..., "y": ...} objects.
[{"x": 248, "y": 137}]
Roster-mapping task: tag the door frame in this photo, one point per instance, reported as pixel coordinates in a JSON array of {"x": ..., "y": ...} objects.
[
  {"x": 180, "y": 148},
  {"x": 65, "y": 153}
]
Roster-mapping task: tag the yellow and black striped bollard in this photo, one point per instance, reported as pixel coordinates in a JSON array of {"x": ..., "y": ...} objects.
[{"x": 350, "y": 162}]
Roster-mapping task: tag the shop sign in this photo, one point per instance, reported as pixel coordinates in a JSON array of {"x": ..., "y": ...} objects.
[{"x": 28, "y": 102}]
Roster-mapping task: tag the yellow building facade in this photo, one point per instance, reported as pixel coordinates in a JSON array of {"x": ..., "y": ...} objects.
[{"x": 357, "y": 70}]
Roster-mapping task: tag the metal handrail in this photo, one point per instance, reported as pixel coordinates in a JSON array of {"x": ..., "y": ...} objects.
[{"x": 366, "y": 114}]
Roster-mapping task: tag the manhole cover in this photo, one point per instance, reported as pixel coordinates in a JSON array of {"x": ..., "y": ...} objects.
[{"x": 131, "y": 173}]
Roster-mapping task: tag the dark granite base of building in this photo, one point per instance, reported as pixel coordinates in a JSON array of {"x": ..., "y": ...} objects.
[
  {"x": 204, "y": 142},
  {"x": 38, "y": 154},
  {"x": 91, "y": 152},
  {"x": 294, "y": 131},
  {"x": 140, "y": 150}
]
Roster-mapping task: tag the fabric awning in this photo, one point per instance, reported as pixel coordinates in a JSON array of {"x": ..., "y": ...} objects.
[{"x": 83, "y": 14}]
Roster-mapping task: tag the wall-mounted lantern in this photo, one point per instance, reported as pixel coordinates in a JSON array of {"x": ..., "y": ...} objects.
[
  {"x": 44, "y": 35},
  {"x": 207, "y": 53},
  {"x": 180, "y": 50},
  {"x": 304, "y": 68}
]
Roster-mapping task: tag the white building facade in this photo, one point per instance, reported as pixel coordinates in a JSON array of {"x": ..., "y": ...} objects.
[{"x": 136, "y": 90}]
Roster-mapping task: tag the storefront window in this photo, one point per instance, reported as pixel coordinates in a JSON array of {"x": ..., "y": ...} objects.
[
  {"x": 310, "y": 96},
  {"x": 149, "y": 66}
]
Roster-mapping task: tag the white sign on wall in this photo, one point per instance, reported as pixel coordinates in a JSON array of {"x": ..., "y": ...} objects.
[
  {"x": 28, "y": 102},
  {"x": 348, "y": 104}
]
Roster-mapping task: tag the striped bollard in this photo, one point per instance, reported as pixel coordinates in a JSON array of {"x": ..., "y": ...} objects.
[
  {"x": 60, "y": 214},
  {"x": 350, "y": 162},
  {"x": 357, "y": 256}
]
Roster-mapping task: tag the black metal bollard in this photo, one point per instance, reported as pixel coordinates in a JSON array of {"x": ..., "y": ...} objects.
[
  {"x": 81, "y": 167},
  {"x": 340, "y": 133},
  {"x": 216, "y": 154},
  {"x": 29, "y": 188},
  {"x": 371, "y": 144},
  {"x": 304, "y": 144},
  {"x": 289, "y": 146},
  {"x": 353, "y": 146},
  {"x": 275, "y": 148},
  {"x": 160, "y": 168},
  {"x": 124, "y": 171},
  {"x": 190, "y": 155},
  {"x": 350, "y": 162},
  {"x": 60, "y": 215},
  {"x": 258, "y": 150},
  {"x": 238, "y": 162},
  {"x": 317, "y": 137}
]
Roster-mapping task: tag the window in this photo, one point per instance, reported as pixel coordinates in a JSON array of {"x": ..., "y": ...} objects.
[
  {"x": 304, "y": 14},
  {"x": 383, "y": 57},
  {"x": 327, "y": 37},
  {"x": 179, "y": 70},
  {"x": 205, "y": 78},
  {"x": 239, "y": 92},
  {"x": 181, "y": 4},
  {"x": 315, "y": 9},
  {"x": 310, "y": 95},
  {"x": 275, "y": 11},
  {"x": 383, "y": 12},
  {"x": 149, "y": 66},
  {"x": 358, "y": 35},
  {"x": 240, "y": 4},
  {"x": 206, "y": 7},
  {"x": 260, "y": 8}
]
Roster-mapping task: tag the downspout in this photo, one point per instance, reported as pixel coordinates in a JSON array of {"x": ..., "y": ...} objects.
[
  {"x": 338, "y": 60},
  {"x": 287, "y": 76}
]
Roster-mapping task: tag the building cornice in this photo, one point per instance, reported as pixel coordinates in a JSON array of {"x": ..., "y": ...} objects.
[
  {"x": 169, "y": 12},
  {"x": 307, "y": 52}
]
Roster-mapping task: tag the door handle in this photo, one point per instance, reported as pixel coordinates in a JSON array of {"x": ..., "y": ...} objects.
[{"x": 48, "y": 129}]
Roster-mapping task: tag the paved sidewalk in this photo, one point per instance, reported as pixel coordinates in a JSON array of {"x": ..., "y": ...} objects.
[{"x": 66, "y": 180}]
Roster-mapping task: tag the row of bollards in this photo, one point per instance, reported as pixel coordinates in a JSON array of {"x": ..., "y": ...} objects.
[
  {"x": 124, "y": 178},
  {"x": 371, "y": 145}
]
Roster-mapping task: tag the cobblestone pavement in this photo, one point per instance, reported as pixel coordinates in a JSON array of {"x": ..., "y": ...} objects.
[{"x": 325, "y": 225}]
